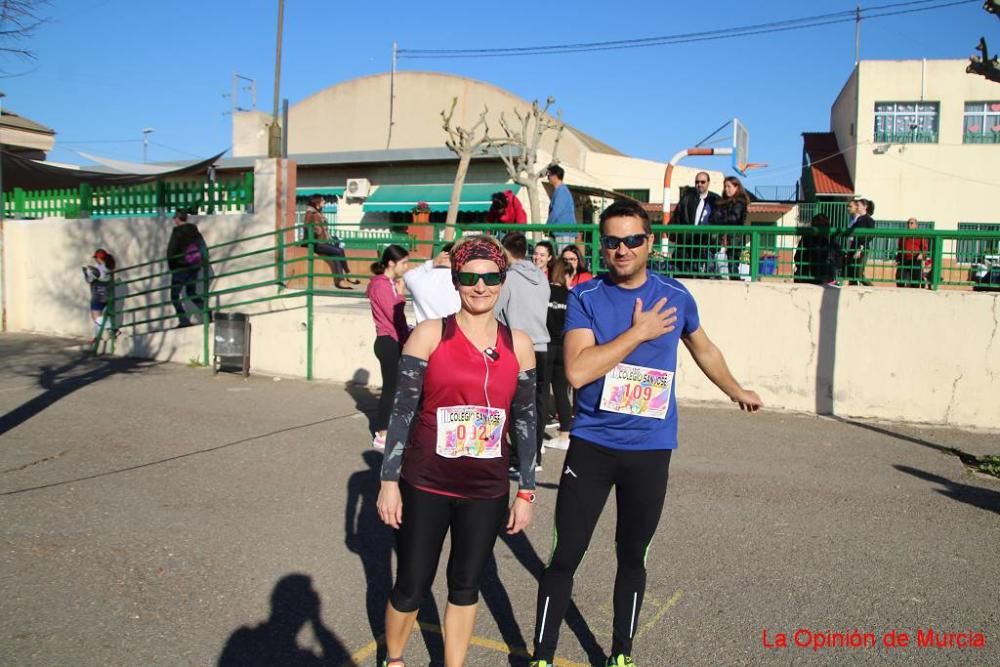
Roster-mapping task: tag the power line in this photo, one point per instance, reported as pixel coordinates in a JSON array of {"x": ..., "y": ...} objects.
[{"x": 879, "y": 11}]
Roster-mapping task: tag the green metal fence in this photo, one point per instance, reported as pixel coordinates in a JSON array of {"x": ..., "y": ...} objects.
[
  {"x": 275, "y": 266},
  {"x": 146, "y": 199}
]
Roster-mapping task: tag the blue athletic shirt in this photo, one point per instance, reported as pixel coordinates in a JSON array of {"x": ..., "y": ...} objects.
[{"x": 606, "y": 309}]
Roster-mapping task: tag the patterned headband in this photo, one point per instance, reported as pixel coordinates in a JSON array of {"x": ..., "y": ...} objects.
[{"x": 477, "y": 250}]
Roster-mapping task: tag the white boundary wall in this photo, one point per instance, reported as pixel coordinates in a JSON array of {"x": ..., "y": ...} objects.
[{"x": 907, "y": 355}]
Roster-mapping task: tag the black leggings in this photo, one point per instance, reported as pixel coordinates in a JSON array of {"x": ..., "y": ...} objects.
[
  {"x": 474, "y": 525},
  {"x": 387, "y": 350},
  {"x": 640, "y": 482},
  {"x": 563, "y": 407}
]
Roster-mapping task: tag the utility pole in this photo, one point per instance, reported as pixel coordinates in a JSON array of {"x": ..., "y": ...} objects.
[
  {"x": 857, "y": 35},
  {"x": 392, "y": 95},
  {"x": 274, "y": 133}
]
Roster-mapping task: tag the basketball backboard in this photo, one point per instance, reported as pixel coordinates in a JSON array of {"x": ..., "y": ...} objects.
[{"x": 741, "y": 147}]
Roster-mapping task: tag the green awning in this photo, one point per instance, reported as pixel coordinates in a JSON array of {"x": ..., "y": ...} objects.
[
  {"x": 476, "y": 197},
  {"x": 326, "y": 192}
]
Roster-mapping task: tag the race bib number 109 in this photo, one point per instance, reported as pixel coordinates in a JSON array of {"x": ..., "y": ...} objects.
[
  {"x": 470, "y": 430},
  {"x": 637, "y": 390}
]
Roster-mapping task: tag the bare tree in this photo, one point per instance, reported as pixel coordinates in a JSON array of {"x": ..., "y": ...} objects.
[
  {"x": 465, "y": 143},
  {"x": 522, "y": 165},
  {"x": 19, "y": 19},
  {"x": 982, "y": 64}
]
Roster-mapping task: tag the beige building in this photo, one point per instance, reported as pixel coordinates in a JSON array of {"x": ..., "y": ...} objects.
[
  {"x": 920, "y": 138},
  {"x": 24, "y": 136},
  {"x": 388, "y": 130}
]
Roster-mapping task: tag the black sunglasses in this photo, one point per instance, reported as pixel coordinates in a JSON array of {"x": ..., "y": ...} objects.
[
  {"x": 632, "y": 241},
  {"x": 470, "y": 279}
]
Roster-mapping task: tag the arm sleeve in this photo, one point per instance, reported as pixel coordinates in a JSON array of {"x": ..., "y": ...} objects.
[
  {"x": 409, "y": 387},
  {"x": 523, "y": 425}
]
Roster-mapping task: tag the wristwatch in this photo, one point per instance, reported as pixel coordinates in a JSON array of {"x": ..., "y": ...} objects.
[{"x": 525, "y": 494}]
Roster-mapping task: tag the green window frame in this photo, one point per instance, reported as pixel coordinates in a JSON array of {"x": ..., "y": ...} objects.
[
  {"x": 968, "y": 251},
  {"x": 906, "y": 122},
  {"x": 981, "y": 123}
]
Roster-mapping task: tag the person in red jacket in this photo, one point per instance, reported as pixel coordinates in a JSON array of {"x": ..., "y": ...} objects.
[
  {"x": 910, "y": 258},
  {"x": 507, "y": 209}
]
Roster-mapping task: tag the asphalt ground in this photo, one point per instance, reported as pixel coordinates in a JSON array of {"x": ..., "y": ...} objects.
[{"x": 150, "y": 512}]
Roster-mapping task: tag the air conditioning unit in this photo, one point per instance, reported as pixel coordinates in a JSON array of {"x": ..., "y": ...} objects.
[{"x": 357, "y": 188}]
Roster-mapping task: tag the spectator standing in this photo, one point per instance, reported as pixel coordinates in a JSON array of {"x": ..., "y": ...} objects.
[
  {"x": 910, "y": 258},
  {"x": 385, "y": 294},
  {"x": 187, "y": 256},
  {"x": 101, "y": 289},
  {"x": 572, "y": 254},
  {"x": 543, "y": 256},
  {"x": 856, "y": 250},
  {"x": 691, "y": 253},
  {"x": 816, "y": 258},
  {"x": 562, "y": 211},
  {"x": 731, "y": 210},
  {"x": 559, "y": 278},
  {"x": 430, "y": 285},
  {"x": 324, "y": 245},
  {"x": 524, "y": 305}
]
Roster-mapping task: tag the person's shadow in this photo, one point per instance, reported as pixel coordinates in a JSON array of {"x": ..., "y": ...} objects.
[
  {"x": 365, "y": 399},
  {"x": 373, "y": 542},
  {"x": 294, "y": 603},
  {"x": 498, "y": 602}
]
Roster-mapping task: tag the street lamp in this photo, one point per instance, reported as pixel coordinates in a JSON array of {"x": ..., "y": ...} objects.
[{"x": 145, "y": 142}]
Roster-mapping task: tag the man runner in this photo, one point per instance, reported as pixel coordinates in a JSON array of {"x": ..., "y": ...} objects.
[{"x": 620, "y": 354}]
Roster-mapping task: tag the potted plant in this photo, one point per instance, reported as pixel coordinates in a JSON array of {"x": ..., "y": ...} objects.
[{"x": 421, "y": 212}]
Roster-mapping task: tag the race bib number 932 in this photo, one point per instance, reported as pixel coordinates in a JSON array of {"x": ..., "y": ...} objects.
[{"x": 470, "y": 430}]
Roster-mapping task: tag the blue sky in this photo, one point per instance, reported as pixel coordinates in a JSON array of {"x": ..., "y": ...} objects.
[{"x": 106, "y": 69}]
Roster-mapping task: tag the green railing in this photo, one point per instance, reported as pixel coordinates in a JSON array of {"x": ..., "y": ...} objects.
[
  {"x": 146, "y": 199},
  {"x": 275, "y": 266},
  {"x": 906, "y": 137}
]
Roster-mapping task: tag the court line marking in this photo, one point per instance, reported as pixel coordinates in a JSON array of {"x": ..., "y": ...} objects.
[
  {"x": 659, "y": 614},
  {"x": 366, "y": 651}
]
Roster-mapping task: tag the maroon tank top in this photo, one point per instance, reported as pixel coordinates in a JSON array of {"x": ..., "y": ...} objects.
[{"x": 458, "y": 374}]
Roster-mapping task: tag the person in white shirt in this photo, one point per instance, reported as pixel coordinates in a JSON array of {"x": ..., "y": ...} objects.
[{"x": 434, "y": 293}]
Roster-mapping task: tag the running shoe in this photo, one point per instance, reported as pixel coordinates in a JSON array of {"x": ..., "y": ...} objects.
[
  {"x": 620, "y": 660},
  {"x": 539, "y": 663},
  {"x": 393, "y": 663},
  {"x": 378, "y": 442}
]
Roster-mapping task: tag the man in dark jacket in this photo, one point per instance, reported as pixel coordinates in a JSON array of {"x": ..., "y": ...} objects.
[
  {"x": 692, "y": 254},
  {"x": 187, "y": 255}
]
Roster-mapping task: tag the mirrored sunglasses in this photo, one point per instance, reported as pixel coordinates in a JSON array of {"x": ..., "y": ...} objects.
[{"x": 632, "y": 241}]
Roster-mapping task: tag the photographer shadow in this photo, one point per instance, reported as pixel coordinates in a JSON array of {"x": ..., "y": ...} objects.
[
  {"x": 373, "y": 542},
  {"x": 294, "y": 604}
]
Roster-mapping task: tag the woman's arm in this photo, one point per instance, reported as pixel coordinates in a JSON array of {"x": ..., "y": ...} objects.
[{"x": 409, "y": 387}]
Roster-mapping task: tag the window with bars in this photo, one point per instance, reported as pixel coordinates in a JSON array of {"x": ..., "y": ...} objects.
[
  {"x": 981, "y": 123},
  {"x": 975, "y": 250},
  {"x": 906, "y": 122},
  {"x": 638, "y": 195}
]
